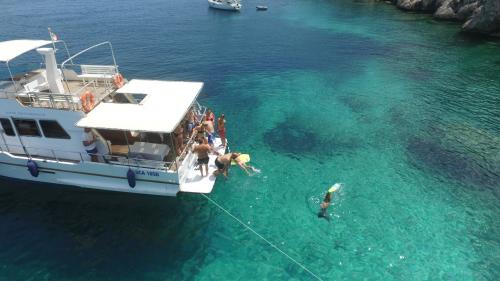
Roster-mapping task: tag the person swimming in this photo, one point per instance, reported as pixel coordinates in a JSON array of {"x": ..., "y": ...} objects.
[
  {"x": 324, "y": 206},
  {"x": 326, "y": 201}
]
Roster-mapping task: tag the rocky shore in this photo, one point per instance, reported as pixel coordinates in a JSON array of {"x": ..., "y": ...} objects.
[{"x": 478, "y": 16}]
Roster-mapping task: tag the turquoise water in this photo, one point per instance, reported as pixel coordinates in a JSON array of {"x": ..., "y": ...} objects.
[{"x": 405, "y": 111}]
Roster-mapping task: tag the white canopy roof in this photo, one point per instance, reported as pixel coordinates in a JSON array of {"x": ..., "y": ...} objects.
[
  {"x": 14, "y": 48},
  {"x": 163, "y": 108}
]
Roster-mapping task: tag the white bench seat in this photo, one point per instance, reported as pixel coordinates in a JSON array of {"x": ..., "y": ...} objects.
[{"x": 97, "y": 72}]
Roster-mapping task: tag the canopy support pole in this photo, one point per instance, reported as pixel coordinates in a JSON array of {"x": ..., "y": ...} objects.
[{"x": 11, "y": 77}]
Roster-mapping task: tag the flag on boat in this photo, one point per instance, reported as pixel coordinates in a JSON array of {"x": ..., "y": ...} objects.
[{"x": 53, "y": 36}]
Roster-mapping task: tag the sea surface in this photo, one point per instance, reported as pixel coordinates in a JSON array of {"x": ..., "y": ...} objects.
[{"x": 402, "y": 109}]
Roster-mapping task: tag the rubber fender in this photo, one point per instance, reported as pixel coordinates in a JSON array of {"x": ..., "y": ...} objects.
[
  {"x": 33, "y": 168},
  {"x": 131, "y": 178}
]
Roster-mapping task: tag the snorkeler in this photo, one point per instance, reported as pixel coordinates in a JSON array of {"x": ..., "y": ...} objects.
[
  {"x": 324, "y": 205},
  {"x": 326, "y": 201}
]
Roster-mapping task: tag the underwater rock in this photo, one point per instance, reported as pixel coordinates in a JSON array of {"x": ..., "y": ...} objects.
[
  {"x": 295, "y": 140},
  {"x": 354, "y": 103},
  {"x": 461, "y": 152}
]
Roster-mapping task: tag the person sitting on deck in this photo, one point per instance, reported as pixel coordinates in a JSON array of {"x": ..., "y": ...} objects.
[
  {"x": 224, "y": 161},
  {"x": 89, "y": 140}
]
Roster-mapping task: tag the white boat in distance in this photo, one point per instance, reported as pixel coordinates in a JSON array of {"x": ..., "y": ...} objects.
[
  {"x": 47, "y": 115},
  {"x": 230, "y": 5}
]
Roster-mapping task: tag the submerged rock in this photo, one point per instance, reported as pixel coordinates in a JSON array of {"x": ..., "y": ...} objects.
[
  {"x": 296, "y": 141},
  {"x": 460, "y": 152}
]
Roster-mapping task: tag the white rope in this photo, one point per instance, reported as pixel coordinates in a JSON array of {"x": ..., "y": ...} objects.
[{"x": 261, "y": 237}]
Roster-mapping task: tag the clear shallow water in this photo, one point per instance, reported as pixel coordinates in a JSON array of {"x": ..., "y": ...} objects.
[{"x": 402, "y": 109}]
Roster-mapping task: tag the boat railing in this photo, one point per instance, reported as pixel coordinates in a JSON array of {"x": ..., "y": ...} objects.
[
  {"x": 67, "y": 156},
  {"x": 199, "y": 111},
  {"x": 43, "y": 153},
  {"x": 73, "y": 65},
  {"x": 184, "y": 161},
  {"x": 53, "y": 100}
]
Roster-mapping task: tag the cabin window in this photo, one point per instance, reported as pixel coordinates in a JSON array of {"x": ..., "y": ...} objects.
[
  {"x": 52, "y": 129},
  {"x": 7, "y": 127},
  {"x": 27, "y": 127}
]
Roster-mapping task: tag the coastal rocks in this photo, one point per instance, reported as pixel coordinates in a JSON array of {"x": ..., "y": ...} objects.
[
  {"x": 480, "y": 16},
  {"x": 456, "y": 9},
  {"x": 486, "y": 19},
  {"x": 417, "y": 5}
]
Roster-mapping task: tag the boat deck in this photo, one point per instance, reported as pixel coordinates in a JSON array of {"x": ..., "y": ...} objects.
[{"x": 194, "y": 182}]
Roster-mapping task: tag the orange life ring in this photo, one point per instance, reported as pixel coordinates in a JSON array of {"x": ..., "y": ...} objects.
[
  {"x": 88, "y": 101},
  {"x": 118, "y": 80}
]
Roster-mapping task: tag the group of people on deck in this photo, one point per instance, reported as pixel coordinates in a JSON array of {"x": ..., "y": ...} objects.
[{"x": 204, "y": 131}]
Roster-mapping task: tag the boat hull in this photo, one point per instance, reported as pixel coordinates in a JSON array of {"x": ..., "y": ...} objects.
[
  {"x": 91, "y": 175},
  {"x": 224, "y": 6}
]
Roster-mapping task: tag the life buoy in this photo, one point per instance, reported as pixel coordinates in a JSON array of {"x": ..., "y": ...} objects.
[
  {"x": 33, "y": 168},
  {"x": 131, "y": 178},
  {"x": 88, "y": 101},
  {"x": 118, "y": 80}
]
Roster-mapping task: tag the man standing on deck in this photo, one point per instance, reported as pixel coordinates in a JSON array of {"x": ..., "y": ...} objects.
[
  {"x": 209, "y": 130},
  {"x": 221, "y": 127},
  {"x": 202, "y": 150}
]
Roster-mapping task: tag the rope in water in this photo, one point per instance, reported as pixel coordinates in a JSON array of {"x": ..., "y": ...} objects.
[{"x": 261, "y": 237}]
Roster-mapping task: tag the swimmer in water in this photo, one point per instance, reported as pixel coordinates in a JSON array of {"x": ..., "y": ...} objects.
[
  {"x": 324, "y": 206},
  {"x": 326, "y": 201}
]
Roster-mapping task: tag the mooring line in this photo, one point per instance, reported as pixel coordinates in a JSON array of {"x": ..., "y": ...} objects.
[{"x": 262, "y": 237}]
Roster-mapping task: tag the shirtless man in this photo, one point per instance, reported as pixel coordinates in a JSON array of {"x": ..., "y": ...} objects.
[
  {"x": 224, "y": 161},
  {"x": 202, "y": 150},
  {"x": 221, "y": 127},
  {"x": 199, "y": 130},
  {"x": 209, "y": 115},
  {"x": 209, "y": 129},
  {"x": 179, "y": 139}
]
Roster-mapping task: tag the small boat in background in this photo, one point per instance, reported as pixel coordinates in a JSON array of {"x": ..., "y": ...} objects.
[
  {"x": 229, "y": 5},
  {"x": 261, "y": 8}
]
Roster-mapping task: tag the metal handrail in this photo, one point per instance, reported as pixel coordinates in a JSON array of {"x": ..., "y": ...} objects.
[
  {"x": 56, "y": 155},
  {"x": 84, "y": 51},
  {"x": 191, "y": 139}
]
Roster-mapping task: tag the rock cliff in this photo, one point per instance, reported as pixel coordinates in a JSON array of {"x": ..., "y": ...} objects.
[{"x": 479, "y": 16}]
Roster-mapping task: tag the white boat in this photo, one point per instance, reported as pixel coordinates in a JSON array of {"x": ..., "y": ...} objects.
[
  {"x": 43, "y": 114},
  {"x": 230, "y": 5}
]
